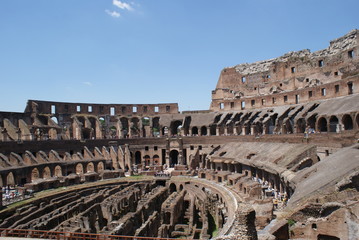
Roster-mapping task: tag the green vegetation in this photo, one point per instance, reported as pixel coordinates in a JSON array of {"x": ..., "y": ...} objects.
[{"x": 291, "y": 222}]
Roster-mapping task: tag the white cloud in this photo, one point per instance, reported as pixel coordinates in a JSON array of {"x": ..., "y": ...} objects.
[
  {"x": 113, "y": 13},
  {"x": 87, "y": 83},
  {"x": 122, "y": 5}
]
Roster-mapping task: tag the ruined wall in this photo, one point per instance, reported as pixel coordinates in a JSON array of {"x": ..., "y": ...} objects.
[{"x": 289, "y": 79}]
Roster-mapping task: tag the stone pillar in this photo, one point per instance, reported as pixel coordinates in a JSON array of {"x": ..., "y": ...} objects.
[
  {"x": 253, "y": 129},
  {"x": 217, "y": 131},
  {"x": 243, "y": 130},
  {"x": 226, "y": 130},
  {"x": 235, "y": 131}
]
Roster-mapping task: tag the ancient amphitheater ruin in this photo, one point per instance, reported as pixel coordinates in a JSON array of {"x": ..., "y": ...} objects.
[{"x": 275, "y": 157}]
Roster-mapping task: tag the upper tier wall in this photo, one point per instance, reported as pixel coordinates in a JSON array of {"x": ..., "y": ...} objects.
[
  {"x": 47, "y": 107},
  {"x": 290, "y": 74}
]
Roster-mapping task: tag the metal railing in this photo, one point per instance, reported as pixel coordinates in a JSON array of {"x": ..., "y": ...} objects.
[{"x": 28, "y": 233}]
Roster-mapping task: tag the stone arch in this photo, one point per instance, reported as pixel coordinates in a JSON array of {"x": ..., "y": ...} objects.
[
  {"x": 138, "y": 157},
  {"x": 333, "y": 124},
  {"x": 156, "y": 160},
  {"x": 176, "y": 127},
  {"x": 35, "y": 174},
  {"x": 10, "y": 179},
  {"x": 203, "y": 131},
  {"x": 173, "y": 188},
  {"x": 173, "y": 158},
  {"x": 347, "y": 122},
  {"x": 90, "y": 167},
  {"x": 79, "y": 168},
  {"x": 357, "y": 120},
  {"x": 100, "y": 167},
  {"x": 195, "y": 131},
  {"x": 301, "y": 125},
  {"x": 46, "y": 173},
  {"x": 322, "y": 125},
  {"x": 58, "y": 171}
]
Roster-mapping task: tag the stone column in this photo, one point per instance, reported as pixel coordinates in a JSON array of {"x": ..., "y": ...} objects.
[
  {"x": 243, "y": 130},
  {"x": 217, "y": 131}
]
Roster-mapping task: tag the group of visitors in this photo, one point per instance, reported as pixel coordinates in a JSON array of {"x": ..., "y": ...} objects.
[
  {"x": 279, "y": 199},
  {"x": 12, "y": 194}
]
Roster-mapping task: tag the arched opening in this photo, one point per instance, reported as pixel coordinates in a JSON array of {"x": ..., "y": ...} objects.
[
  {"x": 203, "y": 131},
  {"x": 10, "y": 179},
  {"x": 35, "y": 174},
  {"x": 124, "y": 127},
  {"x": 58, "y": 171},
  {"x": 138, "y": 157},
  {"x": 156, "y": 126},
  {"x": 134, "y": 127},
  {"x": 46, "y": 173},
  {"x": 147, "y": 160},
  {"x": 79, "y": 169},
  {"x": 195, "y": 131},
  {"x": 90, "y": 167},
  {"x": 156, "y": 160},
  {"x": 301, "y": 125},
  {"x": 176, "y": 127},
  {"x": 322, "y": 125},
  {"x": 212, "y": 130},
  {"x": 173, "y": 188},
  {"x": 173, "y": 158},
  {"x": 100, "y": 167},
  {"x": 347, "y": 122},
  {"x": 333, "y": 124},
  {"x": 86, "y": 133}
]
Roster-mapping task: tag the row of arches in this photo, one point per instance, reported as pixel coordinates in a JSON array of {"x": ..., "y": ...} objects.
[{"x": 22, "y": 176}]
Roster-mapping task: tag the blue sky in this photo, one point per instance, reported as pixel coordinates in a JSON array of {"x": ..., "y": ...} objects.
[{"x": 150, "y": 51}]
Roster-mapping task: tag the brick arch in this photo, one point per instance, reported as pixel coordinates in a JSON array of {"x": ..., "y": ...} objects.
[
  {"x": 57, "y": 171},
  {"x": 35, "y": 174},
  {"x": 100, "y": 167},
  {"x": 79, "y": 168},
  {"x": 322, "y": 124},
  {"x": 90, "y": 167},
  {"x": 333, "y": 123},
  {"x": 10, "y": 179},
  {"x": 46, "y": 173}
]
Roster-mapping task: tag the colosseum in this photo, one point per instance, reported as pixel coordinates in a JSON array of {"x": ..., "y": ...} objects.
[{"x": 275, "y": 157}]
